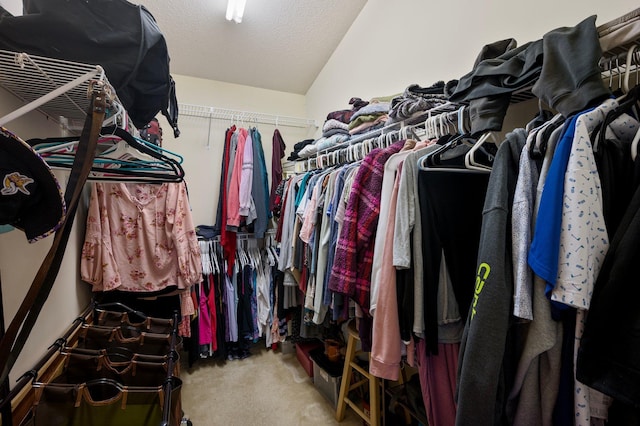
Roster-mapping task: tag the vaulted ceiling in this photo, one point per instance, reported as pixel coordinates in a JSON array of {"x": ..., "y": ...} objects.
[{"x": 280, "y": 44}]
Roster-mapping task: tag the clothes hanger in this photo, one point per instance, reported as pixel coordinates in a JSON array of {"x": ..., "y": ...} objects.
[
  {"x": 155, "y": 167},
  {"x": 542, "y": 132},
  {"x": 631, "y": 56},
  {"x": 166, "y": 167},
  {"x": 431, "y": 159},
  {"x": 213, "y": 252},
  {"x": 629, "y": 105},
  {"x": 424, "y": 161},
  {"x": 470, "y": 159},
  {"x": 444, "y": 128},
  {"x": 207, "y": 266},
  {"x": 634, "y": 145},
  {"x": 428, "y": 160},
  {"x": 123, "y": 151},
  {"x": 462, "y": 129},
  {"x": 391, "y": 136},
  {"x": 271, "y": 256},
  {"x": 119, "y": 118}
]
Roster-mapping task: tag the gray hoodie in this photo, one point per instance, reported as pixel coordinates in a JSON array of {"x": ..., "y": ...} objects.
[{"x": 482, "y": 386}]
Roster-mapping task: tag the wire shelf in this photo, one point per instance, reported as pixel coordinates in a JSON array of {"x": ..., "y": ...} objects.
[{"x": 56, "y": 88}]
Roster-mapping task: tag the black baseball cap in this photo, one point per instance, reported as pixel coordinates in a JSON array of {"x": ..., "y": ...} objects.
[{"x": 30, "y": 195}]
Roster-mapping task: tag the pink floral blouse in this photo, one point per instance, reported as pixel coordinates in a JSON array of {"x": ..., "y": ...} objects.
[{"x": 141, "y": 238}]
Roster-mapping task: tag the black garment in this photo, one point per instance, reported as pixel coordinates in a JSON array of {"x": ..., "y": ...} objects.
[
  {"x": 223, "y": 178},
  {"x": 404, "y": 294},
  {"x": 616, "y": 170},
  {"x": 621, "y": 414},
  {"x": 297, "y": 148},
  {"x": 278, "y": 148},
  {"x": 158, "y": 307},
  {"x": 245, "y": 317},
  {"x": 609, "y": 354},
  {"x": 451, "y": 211},
  {"x": 191, "y": 344},
  {"x": 221, "y": 314},
  {"x": 436, "y": 88},
  {"x": 278, "y": 284}
]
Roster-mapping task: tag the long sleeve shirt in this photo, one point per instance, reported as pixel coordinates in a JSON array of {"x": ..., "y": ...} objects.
[
  {"x": 247, "y": 209},
  {"x": 351, "y": 272},
  {"x": 233, "y": 194}
]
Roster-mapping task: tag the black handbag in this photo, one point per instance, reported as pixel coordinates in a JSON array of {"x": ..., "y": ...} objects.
[{"x": 122, "y": 37}]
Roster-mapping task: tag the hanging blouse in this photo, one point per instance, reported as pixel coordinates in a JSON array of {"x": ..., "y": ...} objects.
[{"x": 141, "y": 238}]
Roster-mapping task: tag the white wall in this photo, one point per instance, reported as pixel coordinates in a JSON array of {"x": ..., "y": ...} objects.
[
  {"x": 201, "y": 141},
  {"x": 393, "y": 44},
  {"x": 19, "y": 261}
]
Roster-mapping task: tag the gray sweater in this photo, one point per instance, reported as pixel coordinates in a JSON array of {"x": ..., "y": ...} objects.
[{"x": 482, "y": 380}]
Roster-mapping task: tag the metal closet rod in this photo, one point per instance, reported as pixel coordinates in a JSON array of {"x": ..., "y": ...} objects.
[{"x": 214, "y": 113}]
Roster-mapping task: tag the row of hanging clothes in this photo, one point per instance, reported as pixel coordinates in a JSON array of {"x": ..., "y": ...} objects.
[
  {"x": 341, "y": 225},
  {"x": 234, "y": 310},
  {"x": 476, "y": 257},
  {"x": 244, "y": 196},
  {"x": 556, "y": 235}
]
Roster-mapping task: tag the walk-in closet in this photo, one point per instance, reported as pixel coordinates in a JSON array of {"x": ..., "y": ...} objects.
[{"x": 298, "y": 212}]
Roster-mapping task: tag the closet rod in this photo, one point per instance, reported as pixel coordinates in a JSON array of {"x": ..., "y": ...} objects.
[
  {"x": 214, "y": 113},
  {"x": 241, "y": 236}
]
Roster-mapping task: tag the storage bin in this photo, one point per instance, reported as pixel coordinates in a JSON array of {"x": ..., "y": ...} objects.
[
  {"x": 327, "y": 376},
  {"x": 303, "y": 351},
  {"x": 287, "y": 347}
]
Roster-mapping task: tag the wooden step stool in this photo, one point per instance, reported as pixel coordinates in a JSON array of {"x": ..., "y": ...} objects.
[{"x": 350, "y": 364}]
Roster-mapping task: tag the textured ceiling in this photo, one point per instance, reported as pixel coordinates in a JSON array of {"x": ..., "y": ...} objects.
[{"x": 280, "y": 44}]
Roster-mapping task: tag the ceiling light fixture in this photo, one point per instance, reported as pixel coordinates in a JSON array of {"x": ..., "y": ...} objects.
[{"x": 235, "y": 10}]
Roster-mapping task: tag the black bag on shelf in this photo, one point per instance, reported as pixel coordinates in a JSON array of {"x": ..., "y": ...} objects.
[{"x": 122, "y": 37}]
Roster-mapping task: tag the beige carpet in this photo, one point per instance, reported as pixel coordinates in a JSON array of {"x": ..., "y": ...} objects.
[{"x": 268, "y": 388}]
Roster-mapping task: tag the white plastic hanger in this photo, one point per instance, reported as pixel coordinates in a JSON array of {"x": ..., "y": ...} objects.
[
  {"x": 123, "y": 151},
  {"x": 119, "y": 118},
  {"x": 631, "y": 56},
  {"x": 469, "y": 158},
  {"x": 461, "y": 124},
  {"x": 214, "y": 257},
  {"x": 634, "y": 145}
]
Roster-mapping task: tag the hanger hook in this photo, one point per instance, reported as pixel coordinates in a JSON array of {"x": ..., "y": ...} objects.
[
  {"x": 619, "y": 73},
  {"x": 609, "y": 68}
]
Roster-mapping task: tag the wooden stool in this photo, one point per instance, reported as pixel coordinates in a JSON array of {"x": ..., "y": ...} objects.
[{"x": 351, "y": 364}]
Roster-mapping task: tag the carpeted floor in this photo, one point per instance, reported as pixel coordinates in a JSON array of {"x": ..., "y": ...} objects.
[{"x": 268, "y": 388}]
